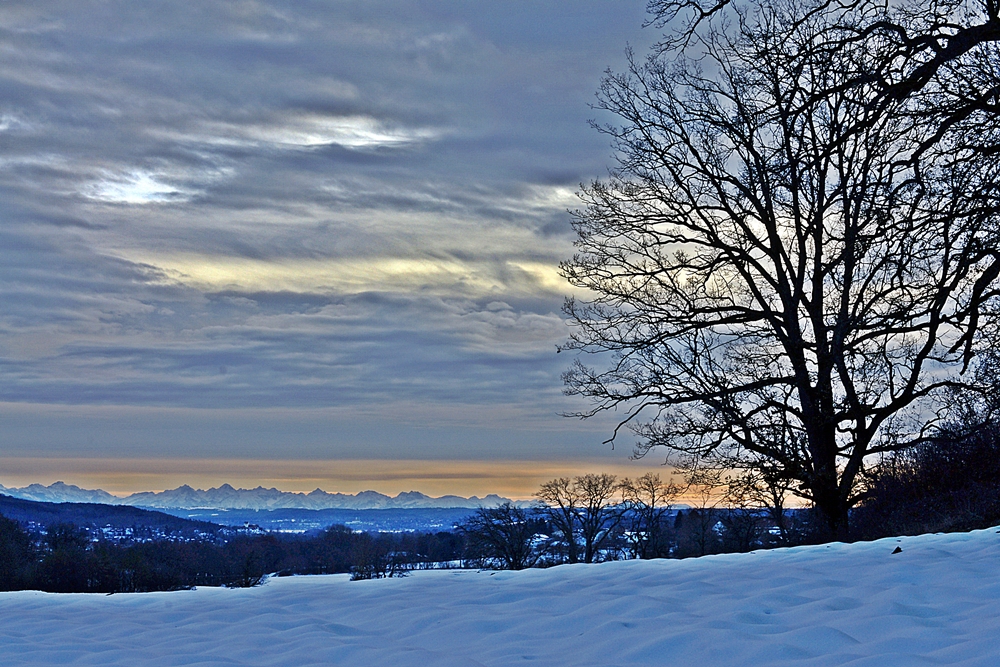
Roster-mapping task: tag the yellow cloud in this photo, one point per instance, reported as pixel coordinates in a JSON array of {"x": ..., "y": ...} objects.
[{"x": 355, "y": 275}]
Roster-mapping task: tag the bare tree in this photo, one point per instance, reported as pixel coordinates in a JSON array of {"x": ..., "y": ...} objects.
[
  {"x": 373, "y": 557},
  {"x": 583, "y": 509},
  {"x": 598, "y": 514},
  {"x": 699, "y": 533},
  {"x": 647, "y": 501},
  {"x": 559, "y": 500},
  {"x": 766, "y": 486},
  {"x": 501, "y": 535},
  {"x": 744, "y": 517},
  {"x": 796, "y": 256}
]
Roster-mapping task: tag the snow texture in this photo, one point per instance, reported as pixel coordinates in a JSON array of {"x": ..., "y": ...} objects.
[{"x": 935, "y": 603}]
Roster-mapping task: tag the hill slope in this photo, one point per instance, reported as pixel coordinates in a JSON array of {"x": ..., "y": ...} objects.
[
  {"x": 936, "y": 602},
  {"x": 98, "y": 515}
]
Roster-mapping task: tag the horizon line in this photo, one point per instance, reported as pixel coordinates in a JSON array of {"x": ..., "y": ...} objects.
[{"x": 517, "y": 479}]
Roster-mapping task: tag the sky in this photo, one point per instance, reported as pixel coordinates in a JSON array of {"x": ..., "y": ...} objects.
[{"x": 240, "y": 236}]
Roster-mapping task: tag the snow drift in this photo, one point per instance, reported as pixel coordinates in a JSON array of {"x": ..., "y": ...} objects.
[{"x": 935, "y": 602}]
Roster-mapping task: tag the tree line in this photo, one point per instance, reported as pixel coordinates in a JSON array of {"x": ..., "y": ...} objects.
[
  {"x": 950, "y": 483},
  {"x": 599, "y": 517},
  {"x": 67, "y": 559}
]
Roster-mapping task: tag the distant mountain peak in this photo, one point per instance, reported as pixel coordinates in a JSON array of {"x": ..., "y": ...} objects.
[
  {"x": 227, "y": 497},
  {"x": 411, "y": 494},
  {"x": 60, "y": 492}
]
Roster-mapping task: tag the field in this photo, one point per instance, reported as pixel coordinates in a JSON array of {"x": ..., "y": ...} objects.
[{"x": 937, "y": 602}]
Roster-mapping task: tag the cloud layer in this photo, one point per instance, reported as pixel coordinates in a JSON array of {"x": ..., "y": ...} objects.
[{"x": 306, "y": 205}]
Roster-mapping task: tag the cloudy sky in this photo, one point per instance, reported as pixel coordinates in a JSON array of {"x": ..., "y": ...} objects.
[{"x": 264, "y": 232}]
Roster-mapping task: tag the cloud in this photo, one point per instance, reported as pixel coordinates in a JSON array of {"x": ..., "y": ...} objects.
[
  {"x": 11, "y": 123},
  {"x": 355, "y": 275},
  {"x": 244, "y": 205},
  {"x": 298, "y": 130},
  {"x": 135, "y": 188}
]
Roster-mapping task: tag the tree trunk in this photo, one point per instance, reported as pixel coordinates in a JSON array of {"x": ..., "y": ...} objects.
[
  {"x": 831, "y": 507},
  {"x": 825, "y": 484}
]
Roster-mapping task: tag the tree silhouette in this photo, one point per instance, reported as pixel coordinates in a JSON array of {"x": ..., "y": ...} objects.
[
  {"x": 795, "y": 259},
  {"x": 501, "y": 535}
]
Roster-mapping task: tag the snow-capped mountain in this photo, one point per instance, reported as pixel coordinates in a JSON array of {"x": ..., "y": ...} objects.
[
  {"x": 227, "y": 497},
  {"x": 61, "y": 493}
]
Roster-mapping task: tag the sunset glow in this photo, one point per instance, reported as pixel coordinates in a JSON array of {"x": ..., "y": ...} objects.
[{"x": 517, "y": 480}]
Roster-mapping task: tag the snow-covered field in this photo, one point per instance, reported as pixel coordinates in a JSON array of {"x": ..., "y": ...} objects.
[{"x": 936, "y": 603}]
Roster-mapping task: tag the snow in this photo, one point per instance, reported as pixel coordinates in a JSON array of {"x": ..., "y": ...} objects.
[{"x": 935, "y": 603}]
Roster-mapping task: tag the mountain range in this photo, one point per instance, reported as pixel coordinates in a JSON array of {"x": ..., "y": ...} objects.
[{"x": 226, "y": 497}]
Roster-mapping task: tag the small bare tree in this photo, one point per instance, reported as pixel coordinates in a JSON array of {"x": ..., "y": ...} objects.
[
  {"x": 599, "y": 516},
  {"x": 766, "y": 486},
  {"x": 559, "y": 500},
  {"x": 373, "y": 557},
  {"x": 501, "y": 536},
  {"x": 582, "y": 510},
  {"x": 699, "y": 534},
  {"x": 647, "y": 500},
  {"x": 744, "y": 517}
]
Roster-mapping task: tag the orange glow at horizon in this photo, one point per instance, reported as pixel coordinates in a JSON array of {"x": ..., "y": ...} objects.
[{"x": 516, "y": 479}]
